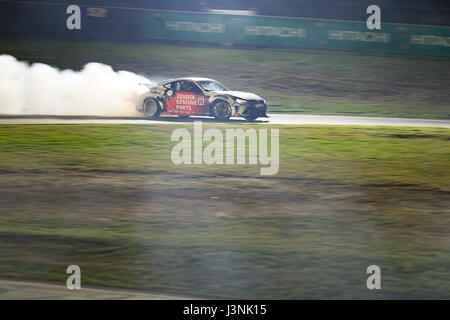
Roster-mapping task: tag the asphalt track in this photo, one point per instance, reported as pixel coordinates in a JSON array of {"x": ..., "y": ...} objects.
[
  {"x": 28, "y": 290},
  {"x": 300, "y": 119}
]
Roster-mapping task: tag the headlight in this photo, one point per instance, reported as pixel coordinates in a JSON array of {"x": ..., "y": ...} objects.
[{"x": 239, "y": 101}]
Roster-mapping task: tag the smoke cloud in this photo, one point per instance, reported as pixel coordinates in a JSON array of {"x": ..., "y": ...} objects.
[{"x": 41, "y": 89}]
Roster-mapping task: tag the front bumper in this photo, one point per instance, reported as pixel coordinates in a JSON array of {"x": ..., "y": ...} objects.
[{"x": 257, "y": 108}]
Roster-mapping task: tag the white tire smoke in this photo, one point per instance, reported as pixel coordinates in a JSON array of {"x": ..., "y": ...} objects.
[{"x": 44, "y": 90}]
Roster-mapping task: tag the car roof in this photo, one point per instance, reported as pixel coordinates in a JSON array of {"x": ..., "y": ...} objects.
[{"x": 187, "y": 78}]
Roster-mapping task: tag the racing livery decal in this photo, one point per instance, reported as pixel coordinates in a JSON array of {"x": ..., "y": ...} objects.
[{"x": 200, "y": 96}]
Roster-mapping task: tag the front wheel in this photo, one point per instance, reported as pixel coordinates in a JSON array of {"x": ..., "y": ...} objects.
[
  {"x": 151, "y": 108},
  {"x": 250, "y": 118},
  {"x": 221, "y": 110},
  {"x": 251, "y": 114}
]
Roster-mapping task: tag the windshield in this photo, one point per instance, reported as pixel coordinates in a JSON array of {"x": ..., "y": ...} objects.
[{"x": 212, "y": 86}]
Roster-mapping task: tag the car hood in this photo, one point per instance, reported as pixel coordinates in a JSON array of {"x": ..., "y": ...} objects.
[{"x": 240, "y": 95}]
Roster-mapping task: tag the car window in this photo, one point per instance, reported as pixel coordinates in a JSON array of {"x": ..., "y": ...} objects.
[
  {"x": 176, "y": 86},
  {"x": 189, "y": 86},
  {"x": 212, "y": 86}
]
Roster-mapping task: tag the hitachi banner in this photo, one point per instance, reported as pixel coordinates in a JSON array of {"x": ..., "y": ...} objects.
[{"x": 266, "y": 31}]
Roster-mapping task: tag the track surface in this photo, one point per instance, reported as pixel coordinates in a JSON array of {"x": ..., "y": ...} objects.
[
  {"x": 27, "y": 290},
  {"x": 273, "y": 119},
  {"x": 35, "y": 290}
]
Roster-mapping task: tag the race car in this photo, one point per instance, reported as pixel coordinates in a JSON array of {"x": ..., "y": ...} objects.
[{"x": 194, "y": 96}]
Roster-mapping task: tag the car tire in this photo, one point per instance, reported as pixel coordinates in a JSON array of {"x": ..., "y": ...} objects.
[
  {"x": 221, "y": 110},
  {"x": 151, "y": 108},
  {"x": 251, "y": 115},
  {"x": 250, "y": 118}
]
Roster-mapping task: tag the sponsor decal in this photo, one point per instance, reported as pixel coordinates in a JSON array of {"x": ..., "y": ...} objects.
[
  {"x": 430, "y": 40},
  {"x": 359, "y": 36},
  {"x": 183, "y": 107},
  {"x": 186, "y": 100},
  {"x": 187, "y": 26},
  {"x": 283, "y": 32}
]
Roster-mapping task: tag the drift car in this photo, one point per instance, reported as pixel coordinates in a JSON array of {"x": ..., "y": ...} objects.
[{"x": 200, "y": 97}]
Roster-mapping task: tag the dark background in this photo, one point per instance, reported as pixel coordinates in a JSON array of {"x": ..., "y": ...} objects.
[
  {"x": 435, "y": 12},
  {"x": 125, "y": 19}
]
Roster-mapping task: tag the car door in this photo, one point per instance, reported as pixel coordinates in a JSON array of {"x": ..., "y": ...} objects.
[
  {"x": 187, "y": 99},
  {"x": 170, "y": 96}
]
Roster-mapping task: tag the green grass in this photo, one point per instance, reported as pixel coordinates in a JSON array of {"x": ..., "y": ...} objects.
[
  {"x": 298, "y": 81},
  {"x": 108, "y": 198},
  {"x": 306, "y": 151}
]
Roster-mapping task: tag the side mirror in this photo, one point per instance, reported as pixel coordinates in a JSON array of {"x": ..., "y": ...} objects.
[{"x": 169, "y": 93}]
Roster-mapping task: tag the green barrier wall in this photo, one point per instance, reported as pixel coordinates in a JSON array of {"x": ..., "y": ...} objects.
[{"x": 296, "y": 32}]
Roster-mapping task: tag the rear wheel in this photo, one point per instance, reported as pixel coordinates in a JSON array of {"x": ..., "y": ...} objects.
[
  {"x": 221, "y": 110},
  {"x": 151, "y": 108}
]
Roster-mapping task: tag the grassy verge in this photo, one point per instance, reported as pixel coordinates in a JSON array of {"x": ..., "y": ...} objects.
[
  {"x": 108, "y": 198},
  {"x": 316, "y": 82},
  {"x": 383, "y": 155}
]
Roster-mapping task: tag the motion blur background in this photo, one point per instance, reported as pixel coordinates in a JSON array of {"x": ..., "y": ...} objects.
[
  {"x": 108, "y": 198},
  {"x": 129, "y": 20},
  {"x": 435, "y": 12}
]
